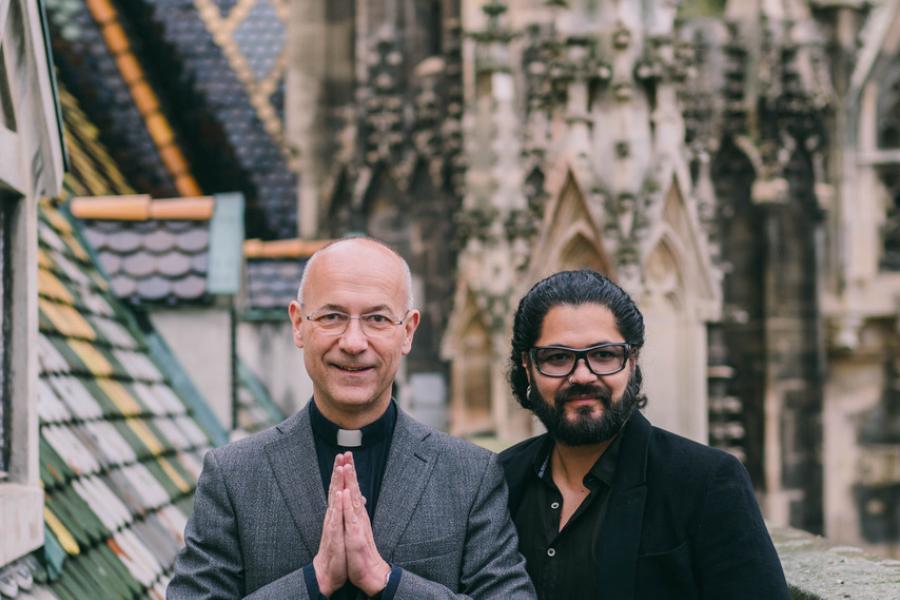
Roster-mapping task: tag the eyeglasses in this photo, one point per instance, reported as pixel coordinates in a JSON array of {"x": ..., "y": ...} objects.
[
  {"x": 560, "y": 361},
  {"x": 334, "y": 322}
]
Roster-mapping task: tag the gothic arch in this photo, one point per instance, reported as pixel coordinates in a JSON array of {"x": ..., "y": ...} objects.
[
  {"x": 580, "y": 252},
  {"x": 570, "y": 237},
  {"x": 664, "y": 272},
  {"x": 674, "y": 355},
  {"x": 473, "y": 355}
]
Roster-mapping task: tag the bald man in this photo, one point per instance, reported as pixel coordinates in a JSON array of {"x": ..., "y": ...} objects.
[{"x": 351, "y": 497}]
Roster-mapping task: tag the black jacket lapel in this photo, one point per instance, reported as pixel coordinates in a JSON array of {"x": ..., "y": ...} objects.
[
  {"x": 619, "y": 541},
  {"x": 516, "y": 463}
]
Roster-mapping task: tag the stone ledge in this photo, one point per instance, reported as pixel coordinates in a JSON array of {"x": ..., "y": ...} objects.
[
  {"x": 21, "y": 520},
  {"x": 819, "y": 570}
]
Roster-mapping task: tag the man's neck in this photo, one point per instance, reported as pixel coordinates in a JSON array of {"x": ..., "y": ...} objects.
[
  {"x": 571, "y": 463},
  {"x": 353, "y": 419}
]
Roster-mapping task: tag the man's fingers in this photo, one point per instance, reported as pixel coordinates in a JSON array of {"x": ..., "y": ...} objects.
[
  {"x": 350, "y": 519},
  {"x": 336, "y": 483},
  {"x": 353, "y": 485}
]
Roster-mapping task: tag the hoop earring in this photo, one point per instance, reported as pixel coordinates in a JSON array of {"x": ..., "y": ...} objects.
[{"x": 528, "y": 391}]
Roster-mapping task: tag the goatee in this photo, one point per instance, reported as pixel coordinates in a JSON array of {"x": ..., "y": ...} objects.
[{"x": 586, "y": 428}]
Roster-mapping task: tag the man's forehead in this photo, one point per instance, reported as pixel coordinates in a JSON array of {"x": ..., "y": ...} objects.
[
  {"x": 360, "y": 270},
  {"x": 584, "y": 318}
]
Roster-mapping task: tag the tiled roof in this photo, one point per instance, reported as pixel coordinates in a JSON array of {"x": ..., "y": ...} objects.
[
  {"x": 120, "y": 452},
  {"x": 165, "y": 251},
  {"x": 272, "y": 283},
  {"x": 186, "y": 95},
  {"x": 223, "y": 66},
  {"x": 253, "y": 36},
  {"x": 256, "y": 409},
  {"x": 272, "y": 273},
  {"x": 96, "y": 64},
  {"x": 150, "y": 260},
  {"x": 92, "y": 170}
]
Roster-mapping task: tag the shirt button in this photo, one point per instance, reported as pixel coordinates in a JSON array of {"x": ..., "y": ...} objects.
[
  {"x": 554, "y": 505},
  {"x": 551, "y": 552}
]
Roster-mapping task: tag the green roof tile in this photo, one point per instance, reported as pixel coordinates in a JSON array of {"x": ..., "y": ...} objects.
[
  {"x": 108, "y": 445},
  {"x": 54, "y": 470}
]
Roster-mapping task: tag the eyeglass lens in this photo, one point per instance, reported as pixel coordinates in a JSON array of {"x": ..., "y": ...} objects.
[
  {"x": 601, "y": 360},
  {"x": 336, "y": 323}
]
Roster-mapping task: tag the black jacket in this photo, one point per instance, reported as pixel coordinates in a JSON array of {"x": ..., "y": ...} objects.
[{"x": 682, "y": 521}]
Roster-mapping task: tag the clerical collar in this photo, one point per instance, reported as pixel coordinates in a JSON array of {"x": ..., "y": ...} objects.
[{"x": 374, "y": 432}]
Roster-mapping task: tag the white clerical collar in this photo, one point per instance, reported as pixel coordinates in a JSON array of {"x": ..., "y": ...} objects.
[{"x": 349, "y": 438}]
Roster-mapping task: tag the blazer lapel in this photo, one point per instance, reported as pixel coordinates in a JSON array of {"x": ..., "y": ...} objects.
[
  {"x": 296, "y": 468},
  {"x": 619, "y": 541},
  {"x": 517, "y": 465},
  {"x": 410, "y": 461}
]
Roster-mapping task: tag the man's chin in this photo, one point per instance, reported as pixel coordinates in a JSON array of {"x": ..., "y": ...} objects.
[{"x": 582, "y": 427}]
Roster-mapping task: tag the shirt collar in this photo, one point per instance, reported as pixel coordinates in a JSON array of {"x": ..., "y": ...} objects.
[
  {"x": 327, "y": 432},
  {"x": 603, "y": 469}
]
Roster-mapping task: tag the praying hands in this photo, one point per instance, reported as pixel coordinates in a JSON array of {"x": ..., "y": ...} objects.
[{"x": 347, "y": 548}]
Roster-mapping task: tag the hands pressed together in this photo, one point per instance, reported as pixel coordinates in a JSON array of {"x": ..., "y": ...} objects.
[{"x": 347, "y": 550}]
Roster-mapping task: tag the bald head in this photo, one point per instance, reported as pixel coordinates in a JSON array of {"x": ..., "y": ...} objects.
[{"x": 359, "y": 249}]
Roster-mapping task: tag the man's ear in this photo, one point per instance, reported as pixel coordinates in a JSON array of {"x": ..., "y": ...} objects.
[
  {"x": 409, "y": 328},
  {"x": 525, "y": 364},
  {"x": 296, "y": 315}
]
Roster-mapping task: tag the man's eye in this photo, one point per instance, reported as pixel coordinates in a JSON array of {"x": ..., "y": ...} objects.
[
  {"x": 557, "y": 357},
  {"x": 377, "y": 319},
  {"x": 607, "y": 354},
  {"x": 333, "y": 317}
]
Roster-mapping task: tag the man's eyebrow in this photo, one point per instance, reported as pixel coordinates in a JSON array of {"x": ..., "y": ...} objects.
[
  {"x": 336, "y": 307},
  {"x": 379, "y": 308},
  {"x": 344, "y": 309}
]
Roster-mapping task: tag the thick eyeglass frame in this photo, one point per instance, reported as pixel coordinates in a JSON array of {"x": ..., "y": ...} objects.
[
  {"x": 314, "y": 318},
  {"x": 581, "y": 354}
]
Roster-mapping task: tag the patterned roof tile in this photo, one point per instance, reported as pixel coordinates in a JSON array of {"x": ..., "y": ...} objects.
[
  {"x": 226, "y": 65},
  {"x": 153, "y": 261},
  {"x": 272, "y": 283},
  {"x": 119, "y": 450},
  {"x": 256, "y": 409},
  {"x": 89, "y": 70}
]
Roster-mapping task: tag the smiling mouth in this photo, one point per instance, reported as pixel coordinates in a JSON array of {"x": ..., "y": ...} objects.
[
  {"x": 350, "y": 369},
  {"x": 577, "y": 402}
]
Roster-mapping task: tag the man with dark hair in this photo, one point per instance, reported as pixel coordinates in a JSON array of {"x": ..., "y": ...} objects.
[{"x": 606, "y": 505}]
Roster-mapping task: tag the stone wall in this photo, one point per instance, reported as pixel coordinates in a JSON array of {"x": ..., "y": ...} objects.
[{"x": 817, "y": 569}]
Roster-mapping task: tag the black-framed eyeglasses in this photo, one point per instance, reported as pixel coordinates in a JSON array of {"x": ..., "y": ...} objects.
[
  {"x": 335, "y": 322},
  {"x": 560, "y": 361}
]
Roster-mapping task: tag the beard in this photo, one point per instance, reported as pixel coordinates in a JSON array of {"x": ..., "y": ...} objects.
[{"x": 586, "y": 428}]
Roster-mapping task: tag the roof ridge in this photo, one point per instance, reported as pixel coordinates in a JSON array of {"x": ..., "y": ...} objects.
[
  {"x": 288, "y": 248},
  {"x": 141, "y": 207}
]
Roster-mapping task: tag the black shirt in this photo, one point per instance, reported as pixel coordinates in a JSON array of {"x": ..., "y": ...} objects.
[
  {"x": 370, "y": 460},
  {"x": 562, "y": 563}
]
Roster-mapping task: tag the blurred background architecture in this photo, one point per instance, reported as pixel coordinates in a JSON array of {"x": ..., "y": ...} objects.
[{"x": 734, "y": 164}]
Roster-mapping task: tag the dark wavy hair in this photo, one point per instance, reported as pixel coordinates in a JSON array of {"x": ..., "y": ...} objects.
[{"x": 573, "y": 288}]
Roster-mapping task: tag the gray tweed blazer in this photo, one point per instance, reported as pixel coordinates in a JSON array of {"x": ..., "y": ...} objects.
[{"x": 441, "y": 516}]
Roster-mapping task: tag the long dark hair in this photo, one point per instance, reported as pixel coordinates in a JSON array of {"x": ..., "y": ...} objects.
[{"x": 574, "y": 288}]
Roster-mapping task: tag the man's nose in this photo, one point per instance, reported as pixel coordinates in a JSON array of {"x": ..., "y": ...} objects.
[
  {"x": 582, "y": 374},
  {"x": 354, "y": 340}
]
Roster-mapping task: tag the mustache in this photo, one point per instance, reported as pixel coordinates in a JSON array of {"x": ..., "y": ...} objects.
[{"x": 581, "y": 390}]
